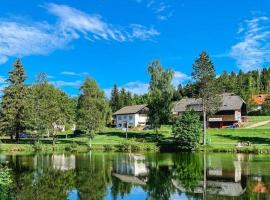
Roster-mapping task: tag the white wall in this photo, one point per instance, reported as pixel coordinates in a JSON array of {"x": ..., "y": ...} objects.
[{"x": 133, "y": 120}]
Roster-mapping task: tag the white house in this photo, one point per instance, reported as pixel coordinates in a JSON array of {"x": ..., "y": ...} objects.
[{"x": 134, "y": 116}]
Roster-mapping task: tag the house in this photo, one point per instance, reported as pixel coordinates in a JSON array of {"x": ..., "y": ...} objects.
[
  {"x": 131, "y": 169},
  {"x": 133, "y": 116},
  {"x": 231, "y": 111}
]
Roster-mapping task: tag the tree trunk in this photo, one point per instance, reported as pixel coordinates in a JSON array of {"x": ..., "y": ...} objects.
[
  {"x": 53, "y": 138},
  {"x": 17, "y": 135},
  {"x": 204, "y": 124},
  {"x": 204, "y": 176},
  {"x": 90, "y": 142}
]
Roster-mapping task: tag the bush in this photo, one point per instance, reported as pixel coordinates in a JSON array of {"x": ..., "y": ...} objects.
[
  {"x": 108, "y": 147},
  {"x": 187, "y": 130},
  {"x": 71, "y": 147},
  {"x": 5, "y": 182},
  {"x": 37, "y": 146}
]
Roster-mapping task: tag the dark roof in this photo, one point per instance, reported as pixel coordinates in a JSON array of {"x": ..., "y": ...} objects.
[
  {"x": 130, "y": 109},
  {"x": 229, "y": 102}
]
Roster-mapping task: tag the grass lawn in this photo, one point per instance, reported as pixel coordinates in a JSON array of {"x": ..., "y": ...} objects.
[
  {"x": 218, "y": 139},
  {"x": 256, "y": 119}
]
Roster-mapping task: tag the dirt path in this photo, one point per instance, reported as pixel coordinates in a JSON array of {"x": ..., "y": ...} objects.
[{"x": 258, "y": 124}]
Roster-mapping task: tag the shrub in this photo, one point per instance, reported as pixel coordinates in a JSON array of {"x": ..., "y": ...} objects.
[
  {"x": 37, "y": 146},
  {"x": 71, "y": 147},
  {"x": 5, "y": 182},
  {"x": 187, "y": 130},
  {"x": 108, "y": 147}
]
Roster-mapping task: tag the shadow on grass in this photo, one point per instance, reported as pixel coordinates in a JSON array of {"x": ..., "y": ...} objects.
[
  {"x": 254, "y": 140},
  {"x": 138, "y": 136}
]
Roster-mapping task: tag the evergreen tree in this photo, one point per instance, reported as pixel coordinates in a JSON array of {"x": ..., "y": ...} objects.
[
  {"x": 13, "y": 105},
  {"x": 115, "y": 99},
  {"x": 92, "y": 109},
  {"x": 187, "y": 130},
  {"x": 160, "y": 95},
  {"x": 204, "y": 74}
]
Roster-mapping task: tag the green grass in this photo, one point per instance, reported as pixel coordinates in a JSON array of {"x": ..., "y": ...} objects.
[
  {"x": 111, "y": 138},
  {"x": 256, "y": 119}
]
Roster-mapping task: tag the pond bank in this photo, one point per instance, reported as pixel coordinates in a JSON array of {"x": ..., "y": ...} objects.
[{"x": 48, "y": 148}]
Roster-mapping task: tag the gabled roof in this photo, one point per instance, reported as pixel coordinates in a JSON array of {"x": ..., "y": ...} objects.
[
  {"x": 130, "y": 109},
  {"x": 228, "y": 102}
]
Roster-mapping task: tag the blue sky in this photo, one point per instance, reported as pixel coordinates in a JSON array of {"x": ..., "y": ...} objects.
[{"x": 114, "y": 41}]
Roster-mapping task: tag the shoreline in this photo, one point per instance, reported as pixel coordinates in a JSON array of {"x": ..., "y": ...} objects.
[{"x": 67, "y": 148}]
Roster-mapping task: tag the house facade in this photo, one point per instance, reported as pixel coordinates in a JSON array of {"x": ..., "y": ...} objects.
[
  {"x": 133, "y": 116},
  {"x": 232, "y": 110}
]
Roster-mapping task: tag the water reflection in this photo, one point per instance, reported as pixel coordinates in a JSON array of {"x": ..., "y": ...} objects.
[{"x": 137, "y": 176}]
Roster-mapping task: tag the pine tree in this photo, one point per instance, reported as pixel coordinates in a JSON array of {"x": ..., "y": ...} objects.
[
  {"x": 204, "y": 75},
  {"x": 13, "y": 105},
  {"x": 115, "y": 99}
]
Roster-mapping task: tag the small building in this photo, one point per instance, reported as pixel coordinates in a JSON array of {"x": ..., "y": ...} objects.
[
  {"x": 231, "y": 111},
  {"x": 133, "y": 116}
]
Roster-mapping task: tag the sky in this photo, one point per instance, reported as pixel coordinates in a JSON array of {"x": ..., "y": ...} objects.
[{"x": 114, "y": 41}]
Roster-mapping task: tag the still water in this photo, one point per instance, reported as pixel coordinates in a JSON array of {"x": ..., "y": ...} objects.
[{"x": 139, "y": 176}]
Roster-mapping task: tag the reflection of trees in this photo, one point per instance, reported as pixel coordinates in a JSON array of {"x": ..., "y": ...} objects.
[
  {"x": 159, "y": 185},
  {"x": 93, "y": 178},
  {"x": 49, "y": 184},
  {"x": 120, "y": 187},
  {"x": 187, "y": 169}
]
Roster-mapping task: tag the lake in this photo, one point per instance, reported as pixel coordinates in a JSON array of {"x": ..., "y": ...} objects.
[{"x": 158, "y": 176}]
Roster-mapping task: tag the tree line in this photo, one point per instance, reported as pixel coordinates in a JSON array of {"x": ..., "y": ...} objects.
[{"x": 43, "y": 109}]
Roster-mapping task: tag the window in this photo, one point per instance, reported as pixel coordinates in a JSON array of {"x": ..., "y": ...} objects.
[
  {"x": 119, "y": 125},
  {"x": 125, "y": 117},
  {"x": 130, "y": 117},
  {"x": 119, "y": 117}
]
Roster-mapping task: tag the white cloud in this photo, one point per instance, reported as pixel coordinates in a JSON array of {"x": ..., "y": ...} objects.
[
  {"x": 254, "y": 48},
  {"x": 179, "y": 78},
  {"x": 139, "y": 87},
  {"x": 74, "y": 73},
  {"x": 142, "y": 32},
  {"x": 135, "y": 87},
  {"x": 72, "y": 20},
  {"x": 18, "y": 39},
  {"x": 160, "y": 8},
  {"x": 74, "y": 84},
  {"x": 2, "y": 79}
]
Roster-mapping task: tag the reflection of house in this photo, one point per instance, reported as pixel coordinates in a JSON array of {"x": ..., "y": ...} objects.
[
  {"x": 131, "y": 169},
  {"x": 231, "y": 111},
  {"x": 132, "y": 115},
  {"x": 220, "y": 181},
  {"x": 63, "y": 162}
]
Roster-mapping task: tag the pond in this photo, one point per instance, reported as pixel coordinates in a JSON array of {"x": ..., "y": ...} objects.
[{"x": 139, "y": 176}]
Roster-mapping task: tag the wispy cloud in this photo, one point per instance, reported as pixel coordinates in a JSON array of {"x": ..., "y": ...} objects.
[
  {"x": 18, "y": 39},
  {"x": 75, "y": 73},
  {"x": 74, "y": 84},
  {"x": 72, "y": 20},
  {"x": 161, "y": 8},
  {"x": 179, "y": 78},
  {"x": 139, "y": 87},
  {"x": 253, "y": 50},
  {"x": 142, "y": 32}
]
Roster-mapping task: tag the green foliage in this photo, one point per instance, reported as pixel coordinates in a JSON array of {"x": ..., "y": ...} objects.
[
  {"x": 5, "y": 182},
  {"x": 92, "y": 109},
  {"x": 160, "y": 94},
  {"x": 49, "y": 108},
  {"x": 13, "y": 105},
  {"x": 187, "y": 170},
  {"x": 187, "y": 130}
]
